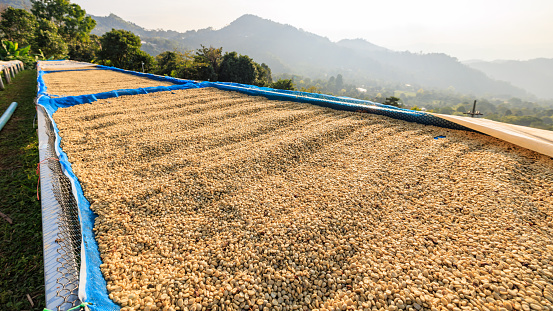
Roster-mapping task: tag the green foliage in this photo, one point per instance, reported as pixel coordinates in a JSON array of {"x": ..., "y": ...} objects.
[
  {"x": 63, "y": 30},
  {"x": 393, "y": 101},
  {"x": 21, "y": 257},
  {"x": 121, "y": 48},
  {"x": 198, "y": 71},
  {"x": 283, "y": 84},
  {"x": 242, "y": 69},
  {"x": 117, "y": 45},
  {"x": 211, "y": 56},
  {"x": 49, "y": 41},
  {"x": 85, "y": 51},
  {"x": 237, "y": 68},
  {"x": 141, "y": 61},
  {"x": 11, "y": 51},
  {"x": 170, "y": 63},
  {"x": 69, "y": 18},
  {"x": 18, "y": 25},
  {"x": 205, "y": 65},
  {"x": 264, "y": 75},
  {"x": 208, "y": 64}
]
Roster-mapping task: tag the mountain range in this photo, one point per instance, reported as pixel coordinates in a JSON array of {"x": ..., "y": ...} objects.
[
  {"x": 287, "y": 49},
  {"x": 535, "y": 76}
]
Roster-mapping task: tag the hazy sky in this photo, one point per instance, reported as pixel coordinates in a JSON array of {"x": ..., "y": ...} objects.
[{"x": 466, "y": 29}]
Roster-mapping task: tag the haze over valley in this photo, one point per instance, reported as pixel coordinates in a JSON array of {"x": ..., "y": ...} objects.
[{"x": 289, "y": 50}]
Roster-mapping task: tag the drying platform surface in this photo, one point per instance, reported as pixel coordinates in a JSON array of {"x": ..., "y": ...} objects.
[
  {"x": 534, "y": 139},
  {"x": 211, "y": 200},
  {"x": 81, "y": 82}
]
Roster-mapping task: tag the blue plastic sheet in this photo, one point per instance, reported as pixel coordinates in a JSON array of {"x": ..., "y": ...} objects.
[{"x": 95, "y": 285}]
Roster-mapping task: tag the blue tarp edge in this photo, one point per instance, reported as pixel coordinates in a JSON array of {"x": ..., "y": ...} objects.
[{"x": 338, "y": 103}]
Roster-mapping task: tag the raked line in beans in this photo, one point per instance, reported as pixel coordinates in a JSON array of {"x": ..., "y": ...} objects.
[
  {"x": 92, "y": 81},
  {"x": 214, "y": 200}
]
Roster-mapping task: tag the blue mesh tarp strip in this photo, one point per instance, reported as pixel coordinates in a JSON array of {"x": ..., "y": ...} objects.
[
  {"x": 339, "y": 103},
  {"x": 95, "y": 286}
]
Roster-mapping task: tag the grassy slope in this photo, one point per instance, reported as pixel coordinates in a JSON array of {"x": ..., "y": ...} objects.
[{"x": 21, "y": 260}]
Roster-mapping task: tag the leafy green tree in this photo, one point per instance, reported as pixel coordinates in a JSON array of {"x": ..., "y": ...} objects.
[
  {"x": 283, "y": 84},
  {"x": 264, "y": 77},
  {"x": 71, "y": 24},
  {"x": 69, "y": 18},
  {"x": 205, "y": 65},
  {"x": 49, "y": 41},
  {"x": 121, "y": 48},
  {"x": 141, "y": 61},
  {"x": 170, "y": 63},
  {"x": 18, "y": 25},
  {"x": 242, "y": 69},
  {"x": 238, "y": 68},
  {"x": 118, "y": 46},
  {"x": 86, "y": 51},
  {"x": 392, "y": 101},
  {"x": 211, "y": 56}
]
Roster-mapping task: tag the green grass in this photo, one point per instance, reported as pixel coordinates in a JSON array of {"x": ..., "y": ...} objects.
[{"x": 21, "y": 260}]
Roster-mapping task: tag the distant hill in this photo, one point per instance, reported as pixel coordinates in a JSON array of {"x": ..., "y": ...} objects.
[
  {"x": 361, "y": 45},
  {"x": 290, "y": 50},
  {"x": 112, "y": 21},
  {"x": 534, "y": 75},
  {"x": 154, "y": 42},
  {"x": 18, "y": 4},
  {"x": 287, "y": 49}
]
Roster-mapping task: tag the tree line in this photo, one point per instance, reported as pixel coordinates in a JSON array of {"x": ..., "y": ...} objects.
[{"x": 59, "y": 29}]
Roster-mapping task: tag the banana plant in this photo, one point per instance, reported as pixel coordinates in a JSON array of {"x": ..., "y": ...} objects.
[{"x": 11, "y": 50}]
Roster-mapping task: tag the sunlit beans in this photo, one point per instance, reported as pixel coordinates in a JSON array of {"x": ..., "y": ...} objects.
[{"x": 212, "y": 200}]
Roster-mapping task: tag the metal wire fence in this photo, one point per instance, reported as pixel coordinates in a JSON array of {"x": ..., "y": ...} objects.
[{"x": 69, "y": 236}]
